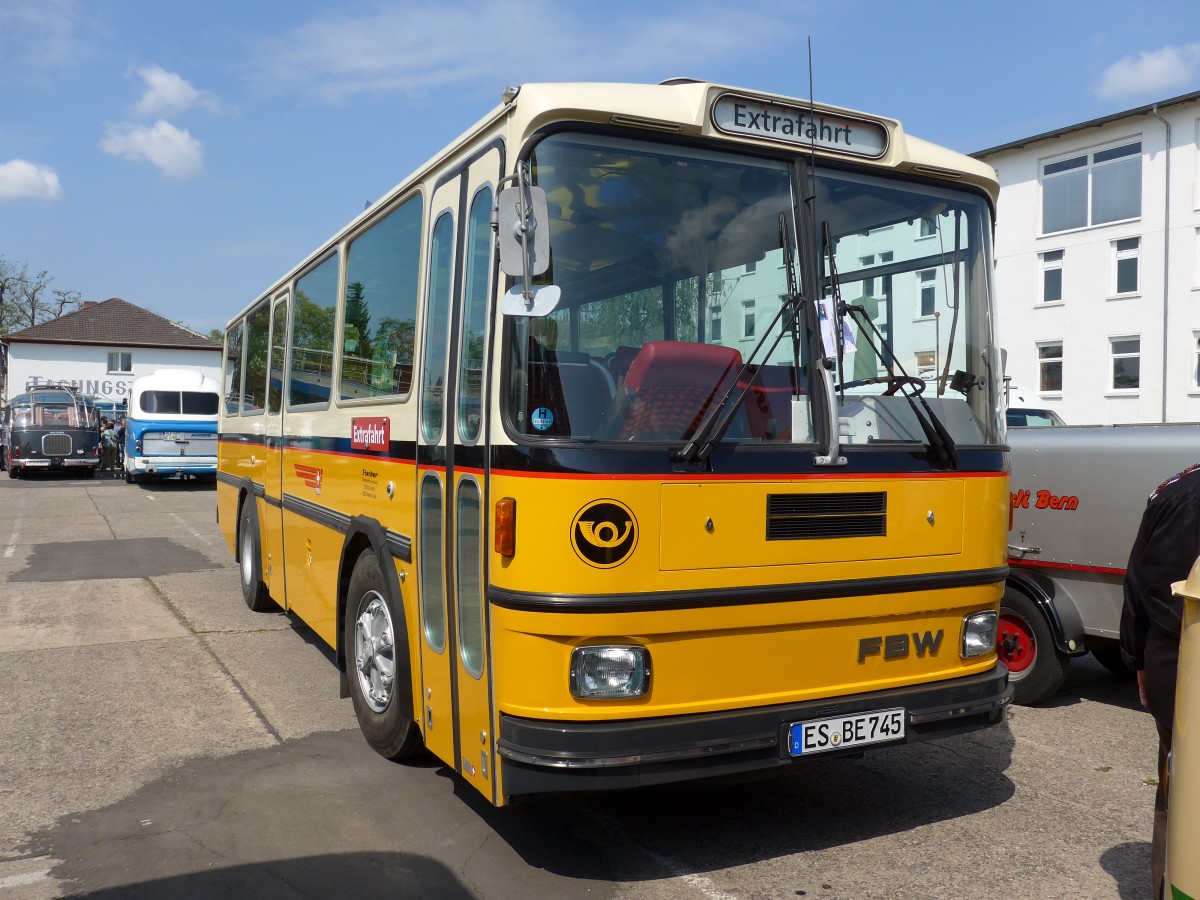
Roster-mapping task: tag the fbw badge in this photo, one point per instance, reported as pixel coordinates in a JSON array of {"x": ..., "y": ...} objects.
[{"x": 604, "y": 533}]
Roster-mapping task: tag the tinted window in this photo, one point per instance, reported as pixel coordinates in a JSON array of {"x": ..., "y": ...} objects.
[
  {"x": 312, "y": 335},
  {"x": 475, "y": 308},
  {"x": 233, "y": 369},
  {"x": 380, "y": 318},
  {"x": 257, "y": 338},
  {"x": 434, "y": 365},
  {"x": 161, "y": 402},
  {"x": 199, "y": 403},
  {"x": 275, "y": 376}
]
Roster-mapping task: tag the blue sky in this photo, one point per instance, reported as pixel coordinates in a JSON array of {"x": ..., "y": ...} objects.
[{"x": 183, "y": 155}]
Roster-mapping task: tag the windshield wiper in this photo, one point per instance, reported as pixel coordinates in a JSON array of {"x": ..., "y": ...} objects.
[
  {"x": 719, "y": 415},
  {"x": 937, "y": 437}
]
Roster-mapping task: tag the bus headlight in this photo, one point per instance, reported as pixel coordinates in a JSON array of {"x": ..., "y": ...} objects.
[
  {"x": 979, "y": 633},
  {"x": 608, "y": 672}
]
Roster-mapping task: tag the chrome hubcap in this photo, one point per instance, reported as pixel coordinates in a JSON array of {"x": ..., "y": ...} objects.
[{"x": 374, "y": 652}]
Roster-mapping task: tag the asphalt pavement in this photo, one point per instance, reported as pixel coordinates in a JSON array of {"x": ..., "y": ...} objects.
[{"x": 157, "y": 739}]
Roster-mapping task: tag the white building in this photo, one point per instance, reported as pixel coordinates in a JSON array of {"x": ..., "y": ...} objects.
[
  {"x": 1098, "y": 264},
  {"x": 101, "y": 348}
]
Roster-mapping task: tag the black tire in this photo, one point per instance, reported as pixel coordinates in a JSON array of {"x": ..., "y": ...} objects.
[
  {"x": 130, "y": 478},
  {"x": 12, "y": 471},
  {"x": 1025, "y": 644},
  {"x": 1109, "y": 656},
  {"x": 380, "y": 705},
  {"x": 254, "y": 592}
]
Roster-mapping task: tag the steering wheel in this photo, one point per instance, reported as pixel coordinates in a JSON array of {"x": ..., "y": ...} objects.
[{"x": 917, "y": 384}]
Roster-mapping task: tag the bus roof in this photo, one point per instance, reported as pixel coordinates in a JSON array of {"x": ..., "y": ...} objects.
[{"x": 693, "y": 108}]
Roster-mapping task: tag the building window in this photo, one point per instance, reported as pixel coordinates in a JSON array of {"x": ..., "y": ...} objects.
[
  {"x": 1050, "y": 366},
  {"x": 1126, "y": 363},
  {"x": 868, "y": 283},
  {"x": 1052, "y": 276},
  {"x": 926, "y": 363},
  {"x": 928, "y": 226},
  {"x": 1196, "y": 360},
  {"x": 1092, "y": 188},
  {"x": 748, "y": 318},
  {"x": 751, "y": 267},
  {"x": 120, "y": 363},
  {"x": 1196, "y": 256},
  {"x": 928, "y": 291},
  {"x": 714, "y": 328},
  {"x": 1127, "y": 265}
]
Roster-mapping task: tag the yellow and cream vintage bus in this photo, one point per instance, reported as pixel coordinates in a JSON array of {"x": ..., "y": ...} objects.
[{"x": 646, "y": 433}]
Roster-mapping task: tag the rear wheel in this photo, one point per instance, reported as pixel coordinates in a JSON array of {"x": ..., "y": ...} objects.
[
  {"x": 254, "y": 592},
  {"x": 376, "y": 683},
  {"x": 1036, "y": 668}
]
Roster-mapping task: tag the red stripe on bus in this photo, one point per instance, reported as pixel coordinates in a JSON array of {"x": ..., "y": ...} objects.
[{"x": 1039, "y": 564}]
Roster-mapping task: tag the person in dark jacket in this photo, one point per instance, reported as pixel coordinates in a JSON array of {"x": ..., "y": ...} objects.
[{"x": 1167, "y": 544}]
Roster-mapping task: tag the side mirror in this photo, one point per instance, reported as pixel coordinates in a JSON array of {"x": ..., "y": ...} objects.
[{"x": 523, "y": 233}]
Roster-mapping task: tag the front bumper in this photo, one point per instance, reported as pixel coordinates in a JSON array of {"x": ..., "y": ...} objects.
[{"x": 549, "y": 757}]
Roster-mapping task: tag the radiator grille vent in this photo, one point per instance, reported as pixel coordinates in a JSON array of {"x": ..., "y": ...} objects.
[
  {"x": 56, "y": 444},
  {"x": 801, "y": 517}
]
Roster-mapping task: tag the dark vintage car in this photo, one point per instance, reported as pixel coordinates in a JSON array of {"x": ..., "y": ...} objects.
[{"x": 51, "y": 427}]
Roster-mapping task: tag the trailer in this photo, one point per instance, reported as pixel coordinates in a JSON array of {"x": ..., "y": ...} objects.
[{"x": 1077, "y": 493}]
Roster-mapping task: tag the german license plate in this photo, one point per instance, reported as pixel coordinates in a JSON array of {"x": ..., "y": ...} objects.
[{"x": 841, "y": 732}]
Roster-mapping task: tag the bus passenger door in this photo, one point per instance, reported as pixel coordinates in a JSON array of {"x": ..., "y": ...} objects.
[
  {"x": 468, "y": 579},
  {"x": 436, "y": 694},
  {"x": 451, "y": 476},
  {"x": 274, "y": 574}
]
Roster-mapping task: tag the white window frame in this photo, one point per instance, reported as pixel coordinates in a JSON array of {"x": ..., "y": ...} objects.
[
  {"x": 120, "y": 356},
  {"x": 925, "y": 363},
  {"x": 1043, "y": 361},
  {"x": 1114, "y": 355},
  {"x": 926, "y": 281},
  {"x": 1052, "y": 260},
  {"x": 1090, "y": 166},
  {"x": 749, "y": 319},
  {"x": 1195, "y": 362},
  {"x": 1120, "y": 255}
]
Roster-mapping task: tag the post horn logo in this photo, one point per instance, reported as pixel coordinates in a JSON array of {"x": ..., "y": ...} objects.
[{"x": 604, "y": 533}]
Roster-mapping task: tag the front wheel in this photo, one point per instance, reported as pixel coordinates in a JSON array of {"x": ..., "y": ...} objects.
[
  {"x": 1036, "y": 668},
  {"x": 376, "y": 682}
]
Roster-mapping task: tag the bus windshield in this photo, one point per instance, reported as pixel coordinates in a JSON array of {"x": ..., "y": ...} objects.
[{"x": 674, "y": 285}]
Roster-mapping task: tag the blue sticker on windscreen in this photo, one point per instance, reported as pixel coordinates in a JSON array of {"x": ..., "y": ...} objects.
[{"x": 542, "y": 418}]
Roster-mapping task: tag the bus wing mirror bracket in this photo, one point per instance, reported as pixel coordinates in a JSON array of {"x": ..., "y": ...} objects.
[{"x": 523, "y": 232}]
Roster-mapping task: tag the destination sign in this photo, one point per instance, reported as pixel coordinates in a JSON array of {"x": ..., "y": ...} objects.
[{"x": 799, "y": 125}]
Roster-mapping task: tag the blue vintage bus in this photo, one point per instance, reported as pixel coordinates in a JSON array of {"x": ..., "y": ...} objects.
[{"x": 171, "y": 427}]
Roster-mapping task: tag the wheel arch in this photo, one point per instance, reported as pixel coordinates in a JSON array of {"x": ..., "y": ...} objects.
[
  {"x": 1057, "y": 607},
  {"x": 366, "y": 533}
]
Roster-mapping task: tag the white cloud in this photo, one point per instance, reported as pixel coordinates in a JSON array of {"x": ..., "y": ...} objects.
[
  {"x": 173, "y": 150},
  {"x": 416, "y": 49},
  {"x": 168, "y": 94},
  {"x": 24, "y": 180},
  {"x": 1151, "y": 72}
]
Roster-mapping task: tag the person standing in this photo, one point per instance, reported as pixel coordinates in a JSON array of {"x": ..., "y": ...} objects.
[
  {"x": 108, "y": 447},
  {"x": 1167, "y": 544}
]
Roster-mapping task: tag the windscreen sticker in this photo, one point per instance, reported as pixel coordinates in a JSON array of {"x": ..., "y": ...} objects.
[{"x": 542, "y": 418}]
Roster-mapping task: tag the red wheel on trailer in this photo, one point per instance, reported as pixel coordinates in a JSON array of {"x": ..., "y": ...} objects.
[
  {"x": 1024, "y": 643},
  {"x": 1015, "y": 643}
]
